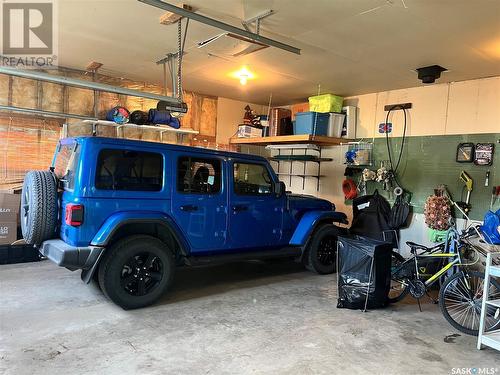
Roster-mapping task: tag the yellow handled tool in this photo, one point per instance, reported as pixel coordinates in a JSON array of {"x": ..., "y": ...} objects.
[{"x": 467, "y": 180}]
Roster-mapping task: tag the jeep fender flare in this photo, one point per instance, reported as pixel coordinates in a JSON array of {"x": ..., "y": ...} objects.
[
  {"x": 119, "y": 219},
  {"x": 310, "y": 221}
]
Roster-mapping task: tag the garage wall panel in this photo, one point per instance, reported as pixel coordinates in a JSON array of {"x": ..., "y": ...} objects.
[
  {"x": 24, "y": 92},
  {"x": 427, "y": 115},
  {"x": 26, "y": 143},
  {"x": 468, "y": 107},
  {"x": 51, "y": 97},
  {"x": 208, "y": 119},
  {"x": 4, "y": 89},
  {"x": 367, "y": 107},
  {"x": 80, "y": 101},
  {"x": 230, "y": 114},
  {"x": 474, "y": 106}
]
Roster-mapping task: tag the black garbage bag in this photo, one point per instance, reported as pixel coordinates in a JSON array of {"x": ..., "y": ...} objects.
[
  {"x": 371, "y": 216},
  {"x": 364, "y": 270}
]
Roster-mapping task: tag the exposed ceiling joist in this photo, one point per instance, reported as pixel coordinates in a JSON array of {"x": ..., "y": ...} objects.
[{"x": 220, "y": 25}]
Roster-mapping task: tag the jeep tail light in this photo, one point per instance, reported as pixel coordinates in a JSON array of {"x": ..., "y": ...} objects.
[{"x": 74, "y": 214}]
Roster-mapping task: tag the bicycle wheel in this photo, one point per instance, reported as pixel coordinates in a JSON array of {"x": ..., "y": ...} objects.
[
  {"x": 399, "y": 286},
  {"x": 460, "y": 302}
]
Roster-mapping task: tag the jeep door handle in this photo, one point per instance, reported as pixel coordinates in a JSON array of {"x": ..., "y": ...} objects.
[
  {"x": 189, "y": 207},
  {"x": 239, "y": 208}
]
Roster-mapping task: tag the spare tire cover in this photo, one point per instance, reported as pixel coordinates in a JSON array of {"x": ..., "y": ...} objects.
[{"x": 39, "y": 207}]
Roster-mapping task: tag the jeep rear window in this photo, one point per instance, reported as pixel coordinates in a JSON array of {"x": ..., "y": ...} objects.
[
  {"x": 129, "y": 170},
  {"x": 65, "y": 163}
]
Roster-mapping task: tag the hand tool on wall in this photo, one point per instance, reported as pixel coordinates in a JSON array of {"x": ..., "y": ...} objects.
[{"x": 467, "y": 180}]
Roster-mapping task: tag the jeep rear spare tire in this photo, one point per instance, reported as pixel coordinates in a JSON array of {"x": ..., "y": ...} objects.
[
  {"x": 39, "y": 207},
  {"x": 321, "y": 254}
]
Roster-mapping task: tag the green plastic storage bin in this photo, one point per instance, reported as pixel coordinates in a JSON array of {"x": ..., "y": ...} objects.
[
  {"x": 325, "y": 103},
  {"x": 436, "y": 235}
]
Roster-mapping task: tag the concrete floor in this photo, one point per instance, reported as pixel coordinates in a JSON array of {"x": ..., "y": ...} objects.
[{"x": 257, "y": 318}]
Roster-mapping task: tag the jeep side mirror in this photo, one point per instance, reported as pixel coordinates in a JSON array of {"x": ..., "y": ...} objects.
[{"x": 279, "y": 188}]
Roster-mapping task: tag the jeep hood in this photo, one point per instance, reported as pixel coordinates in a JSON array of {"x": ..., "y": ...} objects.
[{"x": 299, "y": 204}]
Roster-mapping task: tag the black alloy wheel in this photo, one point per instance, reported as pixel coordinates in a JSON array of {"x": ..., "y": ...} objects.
[
  {"x": 136, "y": 271},
  {"x": 141, "y": 274},
  {"x": 327, "y": 251},
  {"x": 321, "y": 253}
]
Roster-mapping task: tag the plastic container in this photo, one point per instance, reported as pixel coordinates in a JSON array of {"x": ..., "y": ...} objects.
[
  {"x": 335, "y": 125},
  {"x": 436, "y": 235},
  {"x": 326, "y": 103},
  {"x": 305, "y": 123}
]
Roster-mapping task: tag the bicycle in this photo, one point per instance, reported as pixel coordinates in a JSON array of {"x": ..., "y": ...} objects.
[{"x": 461, "y": 289}]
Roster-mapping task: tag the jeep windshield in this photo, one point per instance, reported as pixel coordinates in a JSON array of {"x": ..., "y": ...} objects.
[{"x": 65, "y": 162}]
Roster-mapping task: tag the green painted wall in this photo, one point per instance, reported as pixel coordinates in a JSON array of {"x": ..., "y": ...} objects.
[{"x": 429, "y": 161}]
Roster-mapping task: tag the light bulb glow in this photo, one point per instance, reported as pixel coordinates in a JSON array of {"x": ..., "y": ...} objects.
[{"x": 243, "y": 75}]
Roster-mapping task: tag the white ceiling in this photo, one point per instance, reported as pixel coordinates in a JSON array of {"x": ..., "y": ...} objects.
[{"x": 348, "y": 46}]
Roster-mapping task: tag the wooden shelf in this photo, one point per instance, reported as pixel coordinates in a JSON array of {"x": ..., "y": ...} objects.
[
  {"x": 293, "y": 158},
  {"x": 283, "y": 139}
]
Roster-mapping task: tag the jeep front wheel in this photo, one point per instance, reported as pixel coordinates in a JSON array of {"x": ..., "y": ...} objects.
[
  {"x": 321, "y": 254},
  {"x": 136, "y": 271}
]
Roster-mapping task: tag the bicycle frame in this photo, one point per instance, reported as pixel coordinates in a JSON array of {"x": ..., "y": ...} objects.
[
  {"x": 443, "y": 270},
  {"x": 450, "y": 248}
]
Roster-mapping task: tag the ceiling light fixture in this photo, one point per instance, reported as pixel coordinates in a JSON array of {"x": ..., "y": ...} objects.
[{"x": 243, "y": 75}]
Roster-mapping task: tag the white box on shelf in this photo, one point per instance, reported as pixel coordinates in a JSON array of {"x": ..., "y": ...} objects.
[
  {"x": 351, "y": 114},
  {"x": 247, "y": 131}
]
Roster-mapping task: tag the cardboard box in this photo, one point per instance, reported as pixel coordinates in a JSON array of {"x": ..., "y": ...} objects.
[
  {"x": 9, "y": 207},
  {"x": 8, "y": 232},
  {"x": 275, "y": 124},
  {"x": 301, "y": 107},
  {"x": 248, "y": 131}
]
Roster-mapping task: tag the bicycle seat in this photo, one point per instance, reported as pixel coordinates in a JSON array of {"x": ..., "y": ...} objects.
[{"x": 415, "y": 246}]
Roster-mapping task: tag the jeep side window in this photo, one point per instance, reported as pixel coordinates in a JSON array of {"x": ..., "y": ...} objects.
[
  {"x": 198, "y": 175},
  {"x": 252, "y": 179},
  {"x": 129, "y": 170}
]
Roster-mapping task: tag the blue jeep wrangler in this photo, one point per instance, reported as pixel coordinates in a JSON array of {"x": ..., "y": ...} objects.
[{"x": 128, "y": 212}]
